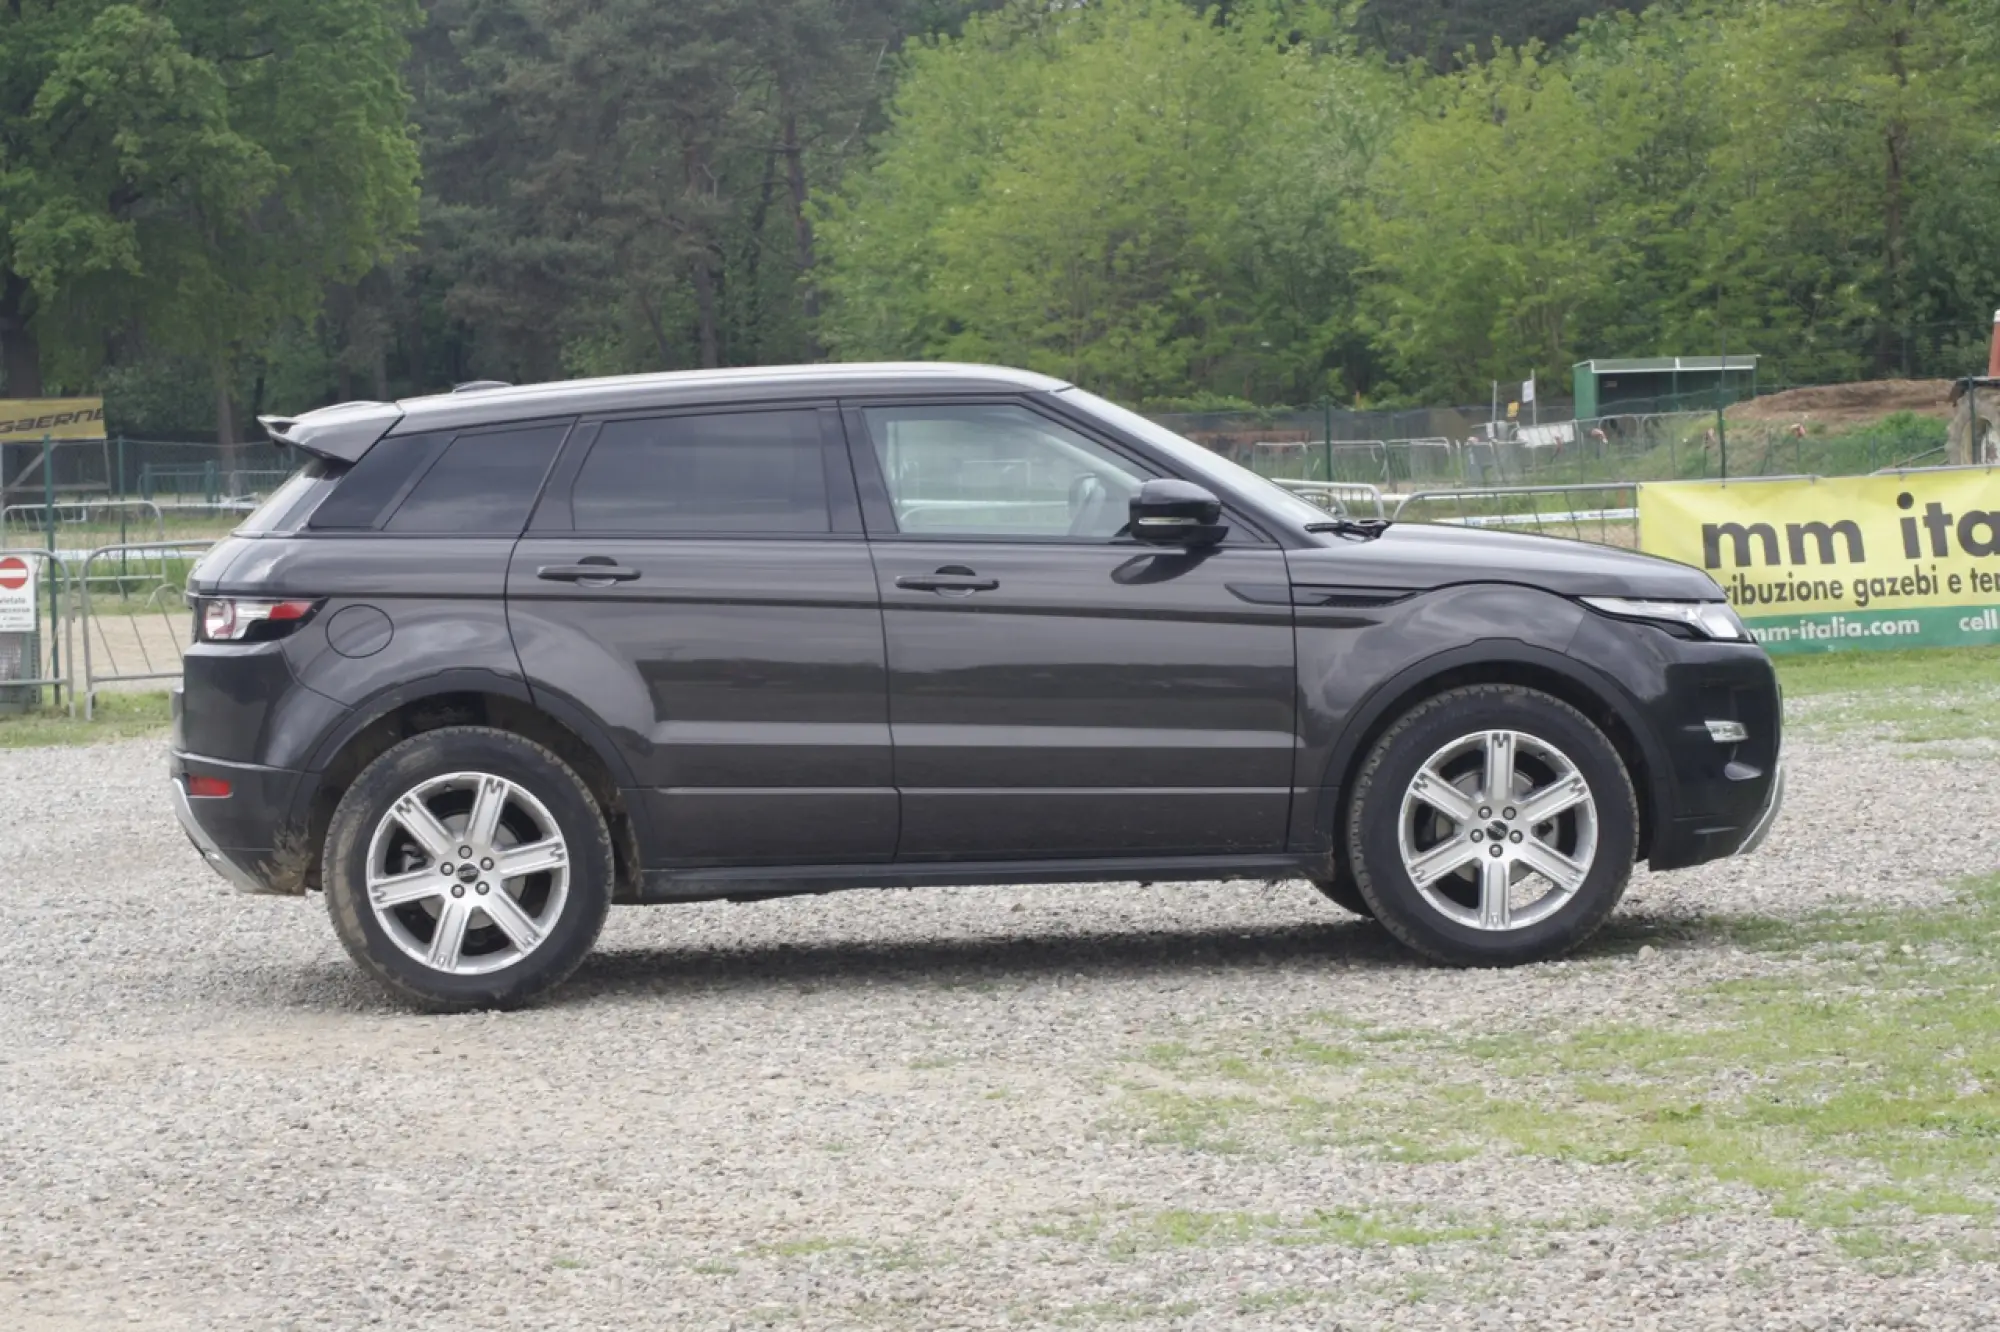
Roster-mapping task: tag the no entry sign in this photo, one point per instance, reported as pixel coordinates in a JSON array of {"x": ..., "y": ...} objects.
[{"x": 17, "y": 595}]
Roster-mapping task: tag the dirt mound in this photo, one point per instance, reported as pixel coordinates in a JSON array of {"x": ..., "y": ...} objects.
[{"x": 1849, "y": 404}]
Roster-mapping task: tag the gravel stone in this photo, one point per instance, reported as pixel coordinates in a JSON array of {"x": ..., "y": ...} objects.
[{"x": 872, "y": 1109}]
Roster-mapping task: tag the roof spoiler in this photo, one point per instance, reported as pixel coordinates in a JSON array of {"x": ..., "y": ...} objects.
[{"x": 342, "y": 432}]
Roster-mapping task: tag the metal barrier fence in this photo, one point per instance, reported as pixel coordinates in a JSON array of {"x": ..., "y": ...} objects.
[
  {"x": 135, "y": 614},
  {"x": 81, "y": 515},
  {"x": 35, "y": 654},
  {"x": 1339, "y": 497},
  {"x": 1606, "y": 513}
]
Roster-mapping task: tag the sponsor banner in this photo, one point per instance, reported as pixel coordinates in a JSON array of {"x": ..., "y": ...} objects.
[
  {"x": 1905, "y": 560},
  {"x": 26, "y": 420}
]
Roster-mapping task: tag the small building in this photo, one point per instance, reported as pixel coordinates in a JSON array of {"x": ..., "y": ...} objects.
[{"x": 1646, "y": 384}]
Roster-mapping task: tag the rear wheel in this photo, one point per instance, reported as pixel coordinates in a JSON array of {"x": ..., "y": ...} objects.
[
  {"x": 1493, "y": 825},
  {"x": 467, "y": 868},
  {"x": 1342, "y": 891}
]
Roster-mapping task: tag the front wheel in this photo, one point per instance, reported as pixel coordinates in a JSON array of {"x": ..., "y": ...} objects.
[
  {"x": 467, "y": 868},
  {"x": 1493, "y": 825}
]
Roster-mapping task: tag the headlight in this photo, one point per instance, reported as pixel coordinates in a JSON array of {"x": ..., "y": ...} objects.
[{"x": 1710, "y": 619}]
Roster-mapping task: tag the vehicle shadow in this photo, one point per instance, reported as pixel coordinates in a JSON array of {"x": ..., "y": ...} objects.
[{"x": 951, "y": 963}]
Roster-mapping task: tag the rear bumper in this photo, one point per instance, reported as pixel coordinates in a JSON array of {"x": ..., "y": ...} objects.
[{"x": 247, "y": 836}]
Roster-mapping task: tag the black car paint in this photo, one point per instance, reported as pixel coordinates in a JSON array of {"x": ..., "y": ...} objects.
[{"x": 1106, "y": 710}]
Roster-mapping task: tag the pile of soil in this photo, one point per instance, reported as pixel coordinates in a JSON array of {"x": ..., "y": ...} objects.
[{"x": 1849, "y": 404}]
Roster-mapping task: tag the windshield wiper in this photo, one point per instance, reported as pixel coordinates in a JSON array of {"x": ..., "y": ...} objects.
[{"x": 1367, "y": 529}]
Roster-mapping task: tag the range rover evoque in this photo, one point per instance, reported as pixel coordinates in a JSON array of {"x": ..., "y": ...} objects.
[{"x": 493, "y": 660}]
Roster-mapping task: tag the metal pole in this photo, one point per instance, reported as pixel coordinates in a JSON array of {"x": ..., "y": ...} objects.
[
  {"x": 49, "y": 526},
  {"x": 1328, "y": 407},
  {"x": 1722, "y": 425}
]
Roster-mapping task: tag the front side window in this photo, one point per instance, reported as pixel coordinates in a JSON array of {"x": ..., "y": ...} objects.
[
  {"x": 750, "y": 473},
  {"x": 998, "y": 471}
]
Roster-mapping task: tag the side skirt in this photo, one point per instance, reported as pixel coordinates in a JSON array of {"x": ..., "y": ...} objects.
[{"x": 761, "y": 881}]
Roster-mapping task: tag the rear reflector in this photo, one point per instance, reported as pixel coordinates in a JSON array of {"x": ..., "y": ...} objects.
[{"x": 213, "y": 788}]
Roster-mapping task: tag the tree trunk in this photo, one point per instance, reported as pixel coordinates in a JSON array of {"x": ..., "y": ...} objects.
[
  {"x": 1895, "y": 191},
  {"x": 225, "y": 425},
  {"x": 20, "y": 352},
  {"x": 704, "y": 307},
  {"x": 802, "y": 230},
  {"x": 414, "y": 350}
]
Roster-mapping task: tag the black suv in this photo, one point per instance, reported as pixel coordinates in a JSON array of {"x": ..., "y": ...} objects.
[{"x": 496, "y": 659}]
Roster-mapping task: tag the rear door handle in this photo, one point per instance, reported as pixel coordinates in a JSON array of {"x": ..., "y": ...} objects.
[
  {"x": 952, "y": 580},
  {"x": 589, "y": 573}
]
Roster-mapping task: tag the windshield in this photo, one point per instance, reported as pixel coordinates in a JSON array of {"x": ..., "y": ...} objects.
[{"x": 1196, "y": 459}]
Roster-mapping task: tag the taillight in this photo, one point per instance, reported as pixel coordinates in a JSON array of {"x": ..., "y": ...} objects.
[{"x": 236, "y": 620}]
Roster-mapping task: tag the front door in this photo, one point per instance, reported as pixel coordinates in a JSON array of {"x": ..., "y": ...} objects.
[
  {"x": 699, "y": 582},
  {"x": 1057, "y": 690}
]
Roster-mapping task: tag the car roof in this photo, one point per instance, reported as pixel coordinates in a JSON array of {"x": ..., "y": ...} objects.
[
  {"x": 347, "y": 430},
  {"x": 481, "y": 406}
]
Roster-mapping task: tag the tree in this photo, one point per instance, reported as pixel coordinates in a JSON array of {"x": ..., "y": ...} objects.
[
  {"x": 187, "y": 175},
  {"x": 1098, "y": 192}
]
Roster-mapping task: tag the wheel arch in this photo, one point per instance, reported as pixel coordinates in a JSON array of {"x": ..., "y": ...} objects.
[
  {"x": 1587, "y": 690},
  {"x": 469, "y": 698}
]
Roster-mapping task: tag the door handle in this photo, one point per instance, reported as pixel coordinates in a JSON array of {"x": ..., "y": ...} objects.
[
  {"x": 589, "y": 572},
  {"x": 954, "y": 580}
]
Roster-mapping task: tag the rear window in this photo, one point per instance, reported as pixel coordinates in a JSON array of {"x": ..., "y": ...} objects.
[
  {"x": 287, "y": 508},
  {"x": 374, "y": 485}
]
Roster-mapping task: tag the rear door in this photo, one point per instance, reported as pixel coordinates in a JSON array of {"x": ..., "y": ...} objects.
[
  {"x": 698, "y": 581},
  {"x": 1056, "y": 688}
]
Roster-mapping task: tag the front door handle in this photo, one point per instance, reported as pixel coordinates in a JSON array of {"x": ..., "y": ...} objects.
[
  {"x": 591, "y": 571},
  {"x": 954, "y": 580}
]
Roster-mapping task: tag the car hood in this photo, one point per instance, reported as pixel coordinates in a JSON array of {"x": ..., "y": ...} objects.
[{"x": 1416, "y": 557}]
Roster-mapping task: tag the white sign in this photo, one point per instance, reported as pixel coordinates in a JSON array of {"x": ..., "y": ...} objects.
[
  {"x": 17, "y": 595},
  {"x": 1527, "y": 390}
]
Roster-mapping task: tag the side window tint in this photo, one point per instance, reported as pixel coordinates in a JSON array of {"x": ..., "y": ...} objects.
[
  {"x": 484, "y": 485},
  {"x": 372, "y": 484},
  {"x": 747, "y": 472},
  {"x": 998, "y": 471}
]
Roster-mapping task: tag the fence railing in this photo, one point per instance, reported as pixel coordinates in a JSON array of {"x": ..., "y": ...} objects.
[
  {"x": 1341, "y": 497},
  {"x": 134, "y": 613}
]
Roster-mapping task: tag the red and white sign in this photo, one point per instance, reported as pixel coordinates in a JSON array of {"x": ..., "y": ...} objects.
[{"x": 17, "y": 595}]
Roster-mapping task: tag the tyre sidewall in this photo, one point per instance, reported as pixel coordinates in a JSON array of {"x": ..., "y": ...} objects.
[
  {"x": 468, "y": 749},
  {"x": 1375, "y": 815}
]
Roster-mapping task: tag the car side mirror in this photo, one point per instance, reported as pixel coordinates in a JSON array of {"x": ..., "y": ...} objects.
[{"x": 1172, "y": 512}]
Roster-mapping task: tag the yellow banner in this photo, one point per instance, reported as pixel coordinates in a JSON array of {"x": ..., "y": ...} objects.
[
  {"x": 1903, "y": 560},
  {"x": 28, "y": 419}
]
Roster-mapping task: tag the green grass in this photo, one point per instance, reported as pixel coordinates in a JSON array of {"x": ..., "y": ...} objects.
[
  {"x": 1856, "y": 1091},
  {"x": 120, "y": 716},
  {"x": 1925, "y": 697}
]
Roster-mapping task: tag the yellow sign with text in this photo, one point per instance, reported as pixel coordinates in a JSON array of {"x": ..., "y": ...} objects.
[
  {"x": 1904, "y": 560},
  {"x": 29, "y": 420}
]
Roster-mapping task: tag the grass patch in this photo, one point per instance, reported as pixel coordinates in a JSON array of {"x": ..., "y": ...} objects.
[
  {"x": 1857, "y": 1094},
  {"x": 1917, "y": 698},
  {"x": 120, "y": 716}
]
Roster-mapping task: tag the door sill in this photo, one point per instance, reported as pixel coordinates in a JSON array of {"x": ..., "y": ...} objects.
[{"x": 750, "y": 883}]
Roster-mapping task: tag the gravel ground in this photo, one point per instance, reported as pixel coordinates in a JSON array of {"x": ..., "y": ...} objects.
[{"x": 876, "y": 1109}]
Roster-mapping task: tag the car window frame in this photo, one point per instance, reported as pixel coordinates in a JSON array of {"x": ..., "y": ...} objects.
[
  {"x": 879, "y": 514},
  {"x": 555, "y": 514}
]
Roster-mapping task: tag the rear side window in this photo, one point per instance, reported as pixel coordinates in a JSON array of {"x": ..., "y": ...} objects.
[
  {"x": 483, "y": 485},
  {"x": 742, "y": 472},
  {"x": 382, "y": 476}
]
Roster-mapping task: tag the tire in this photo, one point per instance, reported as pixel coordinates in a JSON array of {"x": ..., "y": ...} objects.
[
  {"x": 542, "y": 819},
  {"x": 1417, "y": 812}
]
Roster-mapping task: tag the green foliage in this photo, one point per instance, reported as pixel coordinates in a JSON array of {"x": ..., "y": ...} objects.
[{"x": 192, "y": 172}]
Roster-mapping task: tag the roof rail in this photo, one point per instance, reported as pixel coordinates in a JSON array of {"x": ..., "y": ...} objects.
[{"x": 478, "y": 385}]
